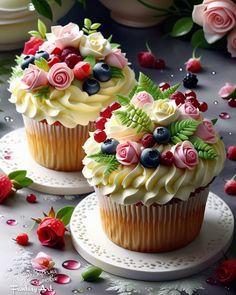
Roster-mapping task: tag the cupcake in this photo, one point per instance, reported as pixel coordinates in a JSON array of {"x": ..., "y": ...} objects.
[
  {"x": 62, "y": 81},
  {"x": 152, "y": 172}
]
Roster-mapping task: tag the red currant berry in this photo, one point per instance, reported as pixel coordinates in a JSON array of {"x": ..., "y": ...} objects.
[
  {"x": 72, "y": 59},
  {"x": 193, "y": 101},
  {"x": 179, "y": 100},
  {"x": 190, "y": 93},
  {"x": 57, "y": 51},
  {"x": 22, "y": 239},
  {"x": 167, "y": 158},
  {"x": 159, "y": 64},
  {"x": 53, "y": 59},
  {"x": 100, "y": 123},
  {"x": 177, "y": 94},
  {"x": 67, "y": 51},
  {"x": 106, "y": 112},
  {"x": 99, "y": 135},
  {"x": 31, "y": 198},
  {"x": 146, "y": 59},
  {"x": 148, "y": 140},
  {"x": 203, "y": 107},
  {"x": 115, "y": 106},
  {"x": 164, "y": 86},
  {"x": 232, "y": 102}
]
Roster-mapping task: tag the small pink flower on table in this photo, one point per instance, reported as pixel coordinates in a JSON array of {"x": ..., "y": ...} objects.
[
  {"x": 128, "y": 153},
  {"x": 34, "y": 78},
  {"x": 226, "y": 90},
  {"x": 42, "y": 262}
]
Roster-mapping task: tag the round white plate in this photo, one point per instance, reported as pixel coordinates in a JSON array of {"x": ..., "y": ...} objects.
[
  {"x": 14, "y": 155},
  {"x": 91, "y": 243}
]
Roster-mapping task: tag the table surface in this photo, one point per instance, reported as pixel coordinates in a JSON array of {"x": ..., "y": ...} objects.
[{"x": 15, "y": 271}]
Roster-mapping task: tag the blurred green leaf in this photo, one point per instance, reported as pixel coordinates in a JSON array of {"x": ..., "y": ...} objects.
[
  {"x": 198, "y": 40},
  {"x": 182, "y": 27},
  {"x": 43, "y": 8}
]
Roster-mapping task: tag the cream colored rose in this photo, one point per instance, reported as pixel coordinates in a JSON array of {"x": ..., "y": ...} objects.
[
  {"x": 96, "y": 45},
  {"x": 163, "y": 111}
]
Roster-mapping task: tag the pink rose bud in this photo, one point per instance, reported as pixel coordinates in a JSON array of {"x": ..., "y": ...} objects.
[
  {"x": 206, "y": 131},
  {"x": 226, "y": 90},
  {"x": 32, "y": 45},
  {"x": 34, "y": 77},
  {"x": 128, "y": 153},
  {"x": 42, "y": 262},
  {"x": 141, "y": 98},
  {"x": 60, "y": 76},
  {"x": 189, "y": 111},
  {"x": 116, "y": 59},
  {"x": 146, "y": 59},
  {"x": 231, "y": 153},
  {"x": 193, "y": 65},
  {"x": 185, "y": 155}
]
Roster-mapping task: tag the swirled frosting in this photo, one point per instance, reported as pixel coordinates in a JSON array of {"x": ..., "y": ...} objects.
[{"x": 71, "y": 106}]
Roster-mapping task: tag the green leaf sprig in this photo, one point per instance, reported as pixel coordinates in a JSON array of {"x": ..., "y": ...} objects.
[
  {"x": 117, "y": 73},
  {"x": 65, "y": 213},
  {"x": 42, "y": 30},
  {"x": 89, "y": 27},
  {"x": 109, "y": 160},
  {"x": 42, "y": 92},
  {"x": 19, "y": 179},
  {"x": 182, "y": 130},
  {"x": 42, "y": 64},
  {"x": 91, "y": 60},
  {"x": 205, "y": 151}
]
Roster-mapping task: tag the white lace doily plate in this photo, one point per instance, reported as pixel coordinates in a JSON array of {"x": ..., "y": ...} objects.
[
  {"x": 14, "y": 155},
  {"x": 91, "y": 242}
]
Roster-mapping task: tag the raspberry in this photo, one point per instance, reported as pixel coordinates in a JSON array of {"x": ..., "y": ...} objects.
[
  {"x": 53, "y": 59},
  {"x": 179, "y": 95},
  {"x": 99, "y": 135},
  {"x": 106, "y": 112},
  {"x": 115, "y": 106},
  {"x": 190, "y": 81},
  {"x": 57, "y": 51},
  {"x": 72, "y": 59},
  {"x": 167, "y": 158},
  {"x": 100, "y": 123},
  {"x": 31, "y": 198},
  {"x": 159, "y": 64},
  {"x": 164, "y": 86},
  {"x": 232, "y": 102},
  {"x": 203, "y": 107},
  {"x": 148, "y": 140},
  {"x": 22, "y": 239},
  {"x": 82, "y": 70},
  {"x": 190, "y": 93},
  {"x": 5, "y": 187}
]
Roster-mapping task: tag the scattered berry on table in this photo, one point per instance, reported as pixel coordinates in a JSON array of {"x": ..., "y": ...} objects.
[
  {"x": 22, "y": 239},
  {"x": 99, "y": 135},
  {"x": 5, "y": 187},
  {"x": 159, "y": 64},
  {"x": 106, "y": 112},
  {"x": 190, "y": 81},
  {"x": 193, "y": 65},
  {"x": 232, "y": 102},
  {"x": 161, "y": 135},
  {"x": 164, "y": 86},
  {"x": 91, "y": 86},
  {"x": 146, "y": 59},
  {"x": 148, "y": 140},
  {"x": 203, "y": 107},
  {"x": 190, "y": 93},
  {"x": 231, "y": 153},
  {"x": 102, "y": 72},
  {"x": 150, "y": 158},
  {"x": 31, "y": 198},
  {"x": 109, "y": 146},
  {"x": 100, "y": 123}
]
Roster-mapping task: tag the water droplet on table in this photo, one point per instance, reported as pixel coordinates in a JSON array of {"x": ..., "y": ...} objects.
[
  {"x": 172, "y": 76},
  {"x": 8, "y": 119},
  {"x": 224, "y": 115},
  {"x": 36, "y": 282},
  {"x": 89, "y": 288},
  {"x": 61, "y": 279},
  {"x": 213, "y": 72},
  {"x": 48, "y": 292},
  {"x": 71, "y": 264},
  {"x": 215, "y": 101},
  {"x": 230, "y": 133},
  {"x": 11, "y": 222},
  {"x": 181, "y": 69},
  {"x": 25, "y": 225}
]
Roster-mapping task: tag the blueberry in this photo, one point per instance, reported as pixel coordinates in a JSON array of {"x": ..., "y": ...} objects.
[
  {"x": 91, "y": 86},
  {"x": 161, "y": 135},
  {"x": 150, "y": 158},
  {"x": 109, "y": 146},
  {"x": 102, "y": 72},
  {"x": 41, "y": 54},
  {"x": 28, "y": 59}
]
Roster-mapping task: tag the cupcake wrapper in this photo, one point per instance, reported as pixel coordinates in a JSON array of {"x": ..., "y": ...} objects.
[
  {"x": 55, "y": 146},
  {"x": 156, "y": 228}
]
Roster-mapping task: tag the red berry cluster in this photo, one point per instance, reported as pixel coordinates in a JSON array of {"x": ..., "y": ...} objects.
[
  {"x": 189, "y": 96},
  {"x": 71, "y": 56},
  {"x": 106, "y": 113},
  {"x": 148, "y": 60}
]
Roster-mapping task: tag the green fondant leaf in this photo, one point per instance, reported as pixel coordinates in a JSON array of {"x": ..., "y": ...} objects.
[
  {"x": 132, "y": 92},
  {"x": 171, "y": 90},
  {"x": 110, "y": 160},
  {"x": 115, "y": 45},
  {"x": 91, "y": 60},
  {"x": 181, "y": 130},
  {"x": 42, "y": 92},
  {"x": 42, "y": 64},
  {"x": 205, "y": 151},
  {"x": 89, "y": 27},
  {"x": 214, "y": 121},
  {"x": 116, "y": 73},
  {"x": 65, "y": 213},
  {"x": 123, "y": 100},
  {"x": 42, "y": 29}
]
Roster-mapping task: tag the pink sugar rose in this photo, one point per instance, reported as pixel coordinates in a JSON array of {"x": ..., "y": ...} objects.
[
  {"x": 128, "y": 153},
  {"x": 63, "y": 36},
  {"x": 42, "y": 262},
  {"x": 189, "y": 111},
  {"x": 34, "y": 77},
  {"x": 60, "y": 76},
  {"x": 116, "y": 59},
  {"x": 206, "y": 131},
  {"x": 185, "y": 155},
  {"x": 226, "y": 90},
  {"x": 141, "y": 98},
  {"x": 231, "y": 43},
  {"x": 216, "y": 17}
]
